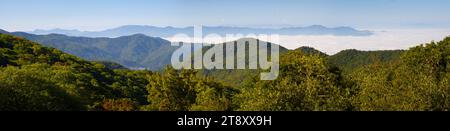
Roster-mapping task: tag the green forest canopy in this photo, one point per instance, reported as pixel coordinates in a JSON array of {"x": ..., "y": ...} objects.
[{"x": 34, "y": 77}]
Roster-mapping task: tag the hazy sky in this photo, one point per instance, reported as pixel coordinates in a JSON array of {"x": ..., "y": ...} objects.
[{"x": 24, "y": 15}]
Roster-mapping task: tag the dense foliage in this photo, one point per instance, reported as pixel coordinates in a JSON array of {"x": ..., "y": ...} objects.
[
  {"x": 305, "y": 83},
  {"x": 418, "y": 81},
  {"x": 175, "y": 90},
  {"x": 33, "y": 73},
  {"x": 348, "y": 60},
  {"x": 33, "y": 77}
]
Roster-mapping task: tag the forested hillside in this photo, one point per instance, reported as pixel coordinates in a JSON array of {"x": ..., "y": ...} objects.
[
  {"x": 419, "y": 80},
  {"x": 416, "y": 79},
  {"x": 351, "y": 58},
  {"x": 34, "y": 77},
  {"x": 235, "y": 78},
  {"x": 134, "y": 51}
]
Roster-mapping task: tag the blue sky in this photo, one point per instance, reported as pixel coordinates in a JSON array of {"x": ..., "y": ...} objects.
[{"x": 24, "y": 15}]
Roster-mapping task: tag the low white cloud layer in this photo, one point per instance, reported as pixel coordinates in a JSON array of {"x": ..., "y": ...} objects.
[{"x": 382, "y": 40}]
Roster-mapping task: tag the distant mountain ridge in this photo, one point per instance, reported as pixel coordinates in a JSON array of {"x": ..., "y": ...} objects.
[
  {"x": 3, "y": 32},
  {"x": 220, "y": 30}
]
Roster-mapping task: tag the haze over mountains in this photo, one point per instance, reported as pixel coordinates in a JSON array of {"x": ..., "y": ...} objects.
[{"x": 220, "y": 30}]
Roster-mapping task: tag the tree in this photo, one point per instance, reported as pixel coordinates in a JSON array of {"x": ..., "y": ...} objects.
[
  {"x": 42, "y": 78},
  {"x": 31, "y": 88},
  {"x": 182, "y": 90},
  {"x": 418, "y": 81},
  {"x": 305, "y": 83}
]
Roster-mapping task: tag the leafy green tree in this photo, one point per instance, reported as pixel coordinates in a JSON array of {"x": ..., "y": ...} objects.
[
  {"x": 212, "y": 96},
  {"x": 31, "y": 88},
  {"x": 182, "y": 90},
  {"x": 305, "y": 83},
  {"x": 171, "y": 91},
  {"x": 41, "y": 77},
  {"x": 418, "y": 81}
]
